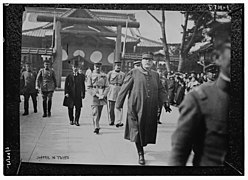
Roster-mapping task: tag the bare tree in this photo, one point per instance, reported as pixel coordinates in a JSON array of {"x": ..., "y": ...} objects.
[
  {"x": 165, "y": 45},
  {"x": 191, "y": 36}
]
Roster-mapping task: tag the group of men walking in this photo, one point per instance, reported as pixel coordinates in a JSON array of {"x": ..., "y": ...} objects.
[
  {"x": 202, "y": 125},
  {"x": 32, "y": 84}
]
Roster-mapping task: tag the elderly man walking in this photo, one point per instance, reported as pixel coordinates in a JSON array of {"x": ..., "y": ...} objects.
[{"x": 145, "y": 94}]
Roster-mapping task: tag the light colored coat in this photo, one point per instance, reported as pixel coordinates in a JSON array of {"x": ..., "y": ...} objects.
[
  {"x": 97, "y": 84},
  {"x": 115, "y": 80}
]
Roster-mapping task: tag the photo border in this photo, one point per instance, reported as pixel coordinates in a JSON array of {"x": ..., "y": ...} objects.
[{"x": 12, "y": 33}]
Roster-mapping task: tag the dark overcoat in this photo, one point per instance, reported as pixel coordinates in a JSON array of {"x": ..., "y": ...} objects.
[
  {"x": 75, "y": 87},
  {"x": 171, "y": 89},
  {"x": 145, "y": 93},
  {"x": 179, "y": 94}
]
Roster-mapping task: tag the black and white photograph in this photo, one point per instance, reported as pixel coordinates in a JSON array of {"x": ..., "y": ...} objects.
[{"x": 125, "y": 89}]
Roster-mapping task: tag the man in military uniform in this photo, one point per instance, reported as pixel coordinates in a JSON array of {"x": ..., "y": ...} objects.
[
  {"x": 74, "y": 92},
  {"x": 136, "y": 63},
  {"x": 46, "y": 83},
  {"x": 202, "y": 126},
  {"x": 145, "y": 92},
  {"x": 28, "y": 88},
  {"x": 163, "y": 80},
  {"x": 115, "y": 80},
  {"x": 211, "y": 71},
  {"x": 97, "y": 87}
]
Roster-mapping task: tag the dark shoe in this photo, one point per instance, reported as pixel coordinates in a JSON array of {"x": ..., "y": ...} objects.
[
  {"x": 119, "y": 125},
  {"x": 49, "y": 114},
  {"x": 141, "y": 159},
  {"x": 159, "y": 122},
  {"x": 35, "y": 111},
  {"x": 96, "y": 131},
  {"x": 25, "y": 114},
  {"x": 111, "y": 124},
  {"x": 71, "y": 122},
  {"x": 77, "y": 124},
  {"x": 44, "y": 115}
]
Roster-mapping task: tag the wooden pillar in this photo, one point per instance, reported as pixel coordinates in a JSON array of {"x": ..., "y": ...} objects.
[
  {"x": 118, "y": 44},
  {"x": 57, "y": 65}
]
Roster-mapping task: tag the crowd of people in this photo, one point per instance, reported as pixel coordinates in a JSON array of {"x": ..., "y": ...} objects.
[
  {"x": 179, "y": 84},
  {"x": 148, "y": 92}
]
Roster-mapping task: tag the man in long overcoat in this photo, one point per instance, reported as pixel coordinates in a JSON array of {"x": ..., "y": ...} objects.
[
  {"x": 74, "y": 93},
  {"x": 145, "y": 93}
]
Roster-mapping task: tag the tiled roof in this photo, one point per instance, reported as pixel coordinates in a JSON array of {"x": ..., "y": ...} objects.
[
  {"x": 38, "y": 33},
  {"x": 134, "y": 56},
  {"x": 45, "y": 29},
  {"x": 41, "y": 51},
  {"x": 104, "y": 15},
  {"x": 149, "y": 43}
]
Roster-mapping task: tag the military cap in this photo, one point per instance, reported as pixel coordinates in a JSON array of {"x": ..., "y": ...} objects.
[
  {"x": 98, "y": 63},
  {"x": 160, "y": 67},
  {"x": 27, "y": 63},
  {"x": 213, "y": 68},
  {"x": 74, "y": 63},
  {"x": 137, "y": 62},
  {"x": 46, "y": 61},
  {"x": 117, "y": 61},
  {"x": 147, "y": 56},
  {"x": 178, "y": 73}
]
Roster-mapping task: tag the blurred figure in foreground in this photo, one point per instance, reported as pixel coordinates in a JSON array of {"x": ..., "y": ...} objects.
[{"x": 202, "y": 125}]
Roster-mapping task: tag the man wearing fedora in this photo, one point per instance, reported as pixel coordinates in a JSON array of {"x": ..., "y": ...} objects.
[
  {"x": 115, "y": 81},
  {"x": 145, "y": 92},
  {"x": 28, "y": 88},
  {"x": 202, "y": 124},
  {"x": 74, "y": 92},
  {"x": 97, "y": 87},
  {"x": 46, "y": 83}
]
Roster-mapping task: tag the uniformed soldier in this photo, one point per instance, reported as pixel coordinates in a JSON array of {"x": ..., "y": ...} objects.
[
  {"x": 46, "y": 83},
  {"x": 28, "y": 88},
  {"x": 136, "y": 63},
  {"x": 97, "y": 86},
  {"x": 211, "y": 71},
  {"x": 115, "y": 80},
  {"x": 165, "y": 86},
  {"x": 202, "y": 125}
]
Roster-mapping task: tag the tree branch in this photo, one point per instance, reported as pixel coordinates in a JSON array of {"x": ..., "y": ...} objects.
[
  {"x": 154, "y": 17},
  {"x": 184, "y": 31},
  {"x": 191, "y": 42}
]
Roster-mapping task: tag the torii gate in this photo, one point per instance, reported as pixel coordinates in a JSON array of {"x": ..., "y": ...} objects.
[{"x": 87, "y": 21}]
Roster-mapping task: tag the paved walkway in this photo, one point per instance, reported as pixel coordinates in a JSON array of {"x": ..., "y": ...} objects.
[{"x": 53, "y": 140}]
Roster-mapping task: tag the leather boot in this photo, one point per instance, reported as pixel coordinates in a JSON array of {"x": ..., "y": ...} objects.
[
  {"x": 78, "y": 111},
  {"x": 44, "y": 109},
  {"x": 70, "y": 113},
  {"x": 141, "y": 158},
  {"x": 49, "y": 107}
]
